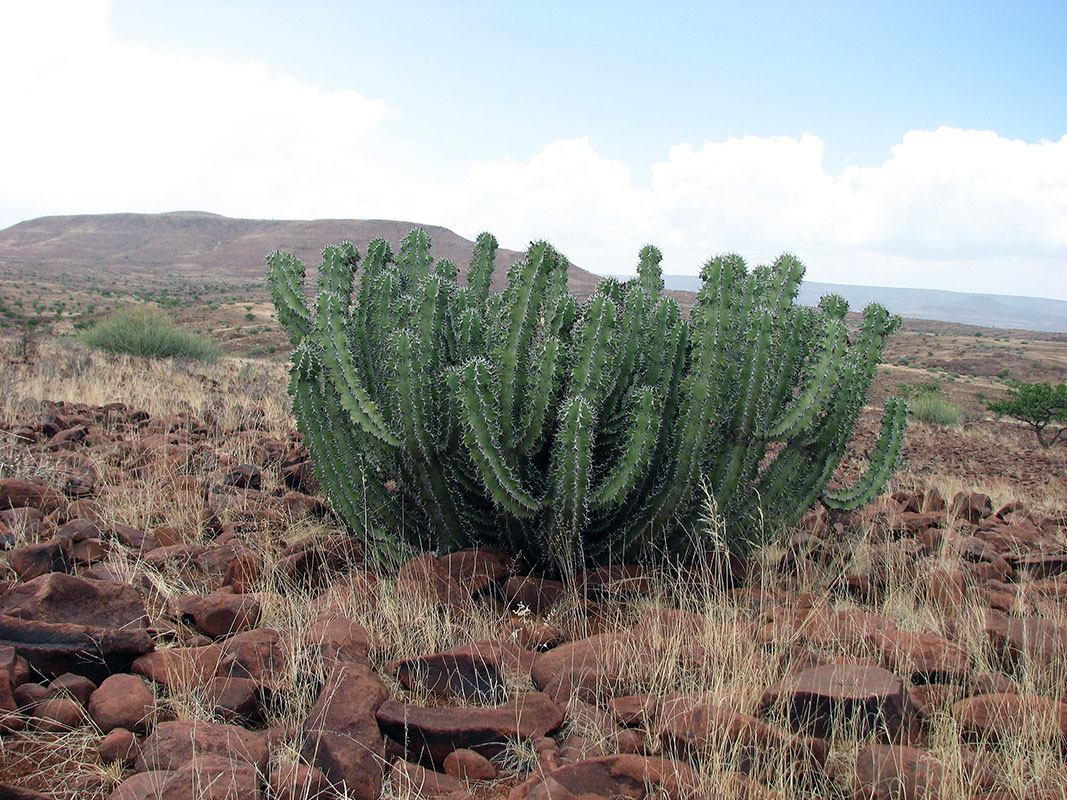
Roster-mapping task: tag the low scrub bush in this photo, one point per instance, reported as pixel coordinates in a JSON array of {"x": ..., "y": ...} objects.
[
  {"x": 931, "y": 407},
  {"x": 146, "y": 332}
]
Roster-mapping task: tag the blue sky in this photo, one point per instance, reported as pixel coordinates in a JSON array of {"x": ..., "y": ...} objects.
[{"x": 909, "y": 144}]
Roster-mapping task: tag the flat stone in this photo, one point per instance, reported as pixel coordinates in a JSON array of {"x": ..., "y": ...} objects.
[
  {"x": 56, "y": 648},
  {"x": 870, "y": 697},
  {"x": 173, "y": 744},
  {"x": 465, "y": 672},
  {"x": 438, "y": 731},
  {"x": 1005, "y": 716}
]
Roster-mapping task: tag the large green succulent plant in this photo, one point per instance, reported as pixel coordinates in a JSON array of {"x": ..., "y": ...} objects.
[{"x": 440, "y": 415}]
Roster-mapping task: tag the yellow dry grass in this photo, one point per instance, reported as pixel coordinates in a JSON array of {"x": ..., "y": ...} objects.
[{"x": 722, "y": 660}]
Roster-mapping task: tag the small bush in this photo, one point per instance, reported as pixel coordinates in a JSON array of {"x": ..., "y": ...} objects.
[
  {"x": 143, "y": 331},
  {"x": 932, "y": 407}
]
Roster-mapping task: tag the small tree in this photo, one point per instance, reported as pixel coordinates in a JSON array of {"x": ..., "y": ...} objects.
[{"x": 1038, "y": 405}]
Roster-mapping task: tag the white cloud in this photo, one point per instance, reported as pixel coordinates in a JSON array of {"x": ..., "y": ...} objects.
[
  {"x": 105, "y": 126},
  {"x": 949, "y": 209},
  {"x": 97, "y": 125}
]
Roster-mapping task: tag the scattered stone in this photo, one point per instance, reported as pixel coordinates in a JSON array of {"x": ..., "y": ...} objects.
[
  {"x": 411, "y": 780},
  {"x": 613, "y": 776},
  {"x": 871, "y": 698},
  {"x": 465, "y": 672},
  {"x": 35, "y": 560},
  {"x": 1003, "y": 716},
  {"x": 437, "y": 731},
  {"x": 212, "y": 777},
  {"x": 59, "y": 598},
  {"x": 123, "y": 701},
  {"x": 17, "y": 493},
  {"x": 341, "y": 736},
  {"x": 220, "y": 613},
  {"x": 173, "y": 744},
  {"x": 58, "y": 714},
  {"x": 296, "y": 781},
  {"x": 537, "y": 595},
  {"x": 235, "y": 700},
  {"x": 469, "y": 766},
  {"x": 142, "y": 786},
  {"x": 119, "y": 745}
]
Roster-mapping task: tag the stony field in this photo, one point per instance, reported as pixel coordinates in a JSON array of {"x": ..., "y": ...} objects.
[{"x": 179, "y": 618}]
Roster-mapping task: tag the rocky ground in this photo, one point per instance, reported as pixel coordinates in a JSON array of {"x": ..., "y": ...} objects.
[{"x": 179, "y": 618}]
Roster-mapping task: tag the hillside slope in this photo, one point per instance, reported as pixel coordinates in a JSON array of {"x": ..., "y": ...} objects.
[{"x": 194, "y": 244}]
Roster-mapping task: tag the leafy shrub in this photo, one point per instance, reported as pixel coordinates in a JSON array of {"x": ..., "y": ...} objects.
[
  {"x": 1039, "y": 405},
  {"x": 441, "y": 416},
  {"x": 147, "y": 332}
]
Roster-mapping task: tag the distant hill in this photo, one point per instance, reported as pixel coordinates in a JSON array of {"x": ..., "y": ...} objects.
[
  {"x": 988, "y": 310},
  {"x": 195, "y": 244},
  {"x": 208, "y": 247}
]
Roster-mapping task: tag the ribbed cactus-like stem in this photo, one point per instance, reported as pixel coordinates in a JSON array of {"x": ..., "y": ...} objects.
[{"x": 440, "y": 415}]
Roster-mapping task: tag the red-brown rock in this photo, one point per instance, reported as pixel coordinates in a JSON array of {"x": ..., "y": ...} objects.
[
  {"x": 870, "y": 697},
  {"x": 123, "y": 701},
  {"x": 467, "y": 672},
  {"x": 614, "y": 777},
  {"x": 119, "y": 745},
  {"x": 17, "y": 493},
  {"x": 179, "y": 668},
  {"x": 468, "y": 765},
  {"x": 536, "y": 594},
  {"x": 299, "y": 782},
  {"x": 172, "y": 744},
  {"x": 35, "y": 560},
  {"x": 1004, "y": 716},
  {"x": 438, "y": 731},
  {"x": 212, "y": 777},
  {"x": 60, "y": 598},
  {"x": 220, "y": 613},
  {"x": 77, "y": 687},
  {"x": 411, "y": 780},
  {"x": 58, "y": 714},
  {"x": 341, "y": 737}
]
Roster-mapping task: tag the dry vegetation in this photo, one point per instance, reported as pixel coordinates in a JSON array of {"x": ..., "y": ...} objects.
[{"x": 728, "y": 652}]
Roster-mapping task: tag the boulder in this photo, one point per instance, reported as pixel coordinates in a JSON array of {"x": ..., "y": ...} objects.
[
  {"x": 614, "y": 777},
  {"x": 411, "y": 780},
  {"x": 118, "y": 745},
  {"x": 341, "y": 737},
  {"x": 869, "y": 697},
  {"x": 468, "y": 765},
  {"x": 211, "y": 777},
  {"x": 173, "y": 744},
  {"x": 220, "y": 613},
  {"x": 466, "y": 672},
  {"x": 142, "y": 786},
  {"x": 55, "y": 648},
  {"x": 1004, "y": 716},
  {"x": 123, "y": 701},
  {"x": 437, "y": 731},
  {"x": 60, "y": 598},
  {"x": 17, "y": 493},
  {"x": 296, "y": 781},
  {"x": 35, "y": 560}
]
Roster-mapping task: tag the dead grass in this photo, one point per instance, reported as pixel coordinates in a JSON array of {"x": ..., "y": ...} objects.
[{"x": 725, "y": 659}]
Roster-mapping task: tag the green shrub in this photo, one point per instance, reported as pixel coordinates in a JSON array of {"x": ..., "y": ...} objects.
[
  {"x": 440, "y": 416},
  {"x": 932, "y": 407},
  {"x": 147, "y": 332}
]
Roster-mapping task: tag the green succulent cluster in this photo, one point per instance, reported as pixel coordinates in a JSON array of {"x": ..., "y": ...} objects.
[{"x": 440, "y": 415}]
